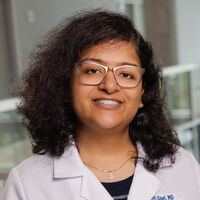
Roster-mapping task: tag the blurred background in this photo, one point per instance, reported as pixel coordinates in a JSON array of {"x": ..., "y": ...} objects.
[{"x": 172, "y": 26}]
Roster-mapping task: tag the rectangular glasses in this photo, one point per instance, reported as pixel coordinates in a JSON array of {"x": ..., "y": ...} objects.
[{"x": 91, "y": 73}]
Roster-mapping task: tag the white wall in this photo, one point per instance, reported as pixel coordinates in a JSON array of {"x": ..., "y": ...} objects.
[{"x": 188, "y": 30}]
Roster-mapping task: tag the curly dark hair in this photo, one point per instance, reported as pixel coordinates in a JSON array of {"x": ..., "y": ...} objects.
[{"x": 51, "y": 120}]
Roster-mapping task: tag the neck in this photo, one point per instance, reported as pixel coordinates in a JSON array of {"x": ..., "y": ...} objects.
[
  {"x": 107, "y": 150},
  {"x": 110, "y": 143}
]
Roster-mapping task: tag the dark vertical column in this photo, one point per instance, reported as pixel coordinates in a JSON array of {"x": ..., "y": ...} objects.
[
  {"x": 5, "y": 68},
  {"x": 161, "y": 29}
]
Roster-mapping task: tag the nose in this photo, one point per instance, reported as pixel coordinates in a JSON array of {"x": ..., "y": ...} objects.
[{"x": 109, "y": 84}]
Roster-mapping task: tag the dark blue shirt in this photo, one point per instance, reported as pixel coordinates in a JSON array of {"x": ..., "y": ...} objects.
[{"x": 119, "y": 190}]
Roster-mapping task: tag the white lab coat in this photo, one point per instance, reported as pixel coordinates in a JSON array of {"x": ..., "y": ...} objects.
[{"x": 42, "y": 177}]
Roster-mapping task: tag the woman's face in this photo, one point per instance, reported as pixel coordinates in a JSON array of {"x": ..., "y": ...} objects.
[{"x": 107, "y": 106}]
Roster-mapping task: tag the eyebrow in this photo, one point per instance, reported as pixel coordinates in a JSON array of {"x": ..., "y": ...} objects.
[{"x": 104, "y": 63}]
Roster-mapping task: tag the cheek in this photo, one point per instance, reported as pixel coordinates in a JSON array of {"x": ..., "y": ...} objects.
[
  {"x": 135, "y": 101},
  {"x": 80, "y": 99},
  {"x": 134, "y": 107},
  {"x": 76, "y": 99}
]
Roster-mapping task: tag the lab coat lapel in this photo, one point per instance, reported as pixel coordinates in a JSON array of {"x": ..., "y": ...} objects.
[
  {"x": 145, "y": 184},
  {"x": 69, "y": 165}
]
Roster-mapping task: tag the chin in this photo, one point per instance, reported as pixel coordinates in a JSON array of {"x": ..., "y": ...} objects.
[{"x": 107, "y": 124}]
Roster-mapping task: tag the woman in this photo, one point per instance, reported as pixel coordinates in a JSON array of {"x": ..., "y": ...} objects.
[{"x": 92, "y": 104}]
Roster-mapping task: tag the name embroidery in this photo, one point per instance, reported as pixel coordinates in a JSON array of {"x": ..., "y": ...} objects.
[{"x": 165, "y": 197}]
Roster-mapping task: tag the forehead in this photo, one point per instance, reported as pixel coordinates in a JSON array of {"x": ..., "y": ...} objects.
[{"x": 112, "y": 53}]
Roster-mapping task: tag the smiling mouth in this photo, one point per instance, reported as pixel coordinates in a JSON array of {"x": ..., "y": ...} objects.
[{"x": 108, "y": 102}]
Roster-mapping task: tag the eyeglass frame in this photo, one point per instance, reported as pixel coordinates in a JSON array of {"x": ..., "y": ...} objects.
[{"x": 77, "y": 65}]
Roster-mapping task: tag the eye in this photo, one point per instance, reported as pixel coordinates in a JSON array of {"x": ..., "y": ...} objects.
[
  {"x": 127, "y": 75},
  {"x": 92, "y": 71}
]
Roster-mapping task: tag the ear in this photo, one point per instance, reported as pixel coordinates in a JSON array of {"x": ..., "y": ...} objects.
[{"x": 141, "y": 104}]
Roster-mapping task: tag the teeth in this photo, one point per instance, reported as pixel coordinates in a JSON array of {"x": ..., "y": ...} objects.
[{"x": 109, "y": 102}]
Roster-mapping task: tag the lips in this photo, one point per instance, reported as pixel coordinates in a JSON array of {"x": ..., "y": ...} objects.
[{"x": 107, "y": 102}]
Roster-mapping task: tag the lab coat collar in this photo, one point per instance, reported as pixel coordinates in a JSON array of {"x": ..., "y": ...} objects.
[
  {"x": 62, "y": 169},
  {"x": 69, "y": 164},
  {"x": 145, "y": 183},
  {"x": 144, "y": 186}
]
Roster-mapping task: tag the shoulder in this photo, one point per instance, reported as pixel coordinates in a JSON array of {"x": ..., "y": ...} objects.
[
  {"x": 32, "y": 171},
  {"x": 36, "y": 164},
  {"x": 185, "y": 167},
  {"x": 188, "y": 162},
  {"x": 182, "y": 158},
  {"x": 42, "y": 165},
  {"x": 185, "y": 157},
  {"x": 36, "y": 159}
]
